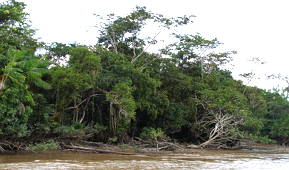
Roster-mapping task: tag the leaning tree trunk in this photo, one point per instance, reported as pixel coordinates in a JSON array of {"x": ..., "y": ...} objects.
[
  {"x": 221, "y": 131},
  {"x": 2, "y": 83}
]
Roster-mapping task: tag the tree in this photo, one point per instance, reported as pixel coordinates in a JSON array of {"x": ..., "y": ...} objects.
[
  {"x": 21, "y": 72},
  {"x": 122, "y": 34},
  {"x": 15, "y": 31},
  {"x": 20, "y": 77},
  {"x": 118, "y": 88}
]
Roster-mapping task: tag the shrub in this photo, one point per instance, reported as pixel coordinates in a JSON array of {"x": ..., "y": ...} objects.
[
  {"x": 95, "y": 129},
  {"x": 260, "y": 139},
  {"x": 45, "y": 146},
  {"x": 152, "y": 134},
  {"x": 69, "y": 132}
]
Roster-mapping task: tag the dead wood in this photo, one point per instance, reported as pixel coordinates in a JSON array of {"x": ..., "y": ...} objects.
[
  {"x": 223, "y": 125},
  {"x": 98, "y": 144},
  {"x": 94, "y": 150},
  {"x": 169, "y": 145}
]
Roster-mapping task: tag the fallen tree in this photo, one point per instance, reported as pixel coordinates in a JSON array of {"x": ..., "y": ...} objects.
[
  {"x": 223, "y": 131},
  {"x": 6, "y": 146},
  {"x": 93, "y": 150}
]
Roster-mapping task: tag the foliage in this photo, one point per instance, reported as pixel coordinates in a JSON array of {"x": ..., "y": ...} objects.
[
  {"x": 118, "y": 89},
  {"x": 45, "y": 146},
  {"x": 15, "y": 31},
  {"x": 152, "y": 134},
  {"x": 22, "y": 74},
  {"x": 260, "y": 139},
  {"x": 280, "y": 127},
  {"x": 69, "y": 132}
]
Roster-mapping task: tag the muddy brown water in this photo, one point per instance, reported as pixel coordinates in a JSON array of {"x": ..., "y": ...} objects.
[{"x": 202, "y": 159}]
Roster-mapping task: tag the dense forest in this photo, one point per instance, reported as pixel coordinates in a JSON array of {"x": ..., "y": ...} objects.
[{"x": 117, "y": 89}]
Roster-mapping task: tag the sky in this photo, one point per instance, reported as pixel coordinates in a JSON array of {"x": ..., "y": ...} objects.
[{"x": 253, "y": 28}]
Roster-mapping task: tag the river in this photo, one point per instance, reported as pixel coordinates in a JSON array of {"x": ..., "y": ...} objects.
[{"x": 202, "y": 159}]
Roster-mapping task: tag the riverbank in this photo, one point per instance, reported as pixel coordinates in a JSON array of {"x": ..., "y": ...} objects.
[{"x": 131, "y": 148}]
